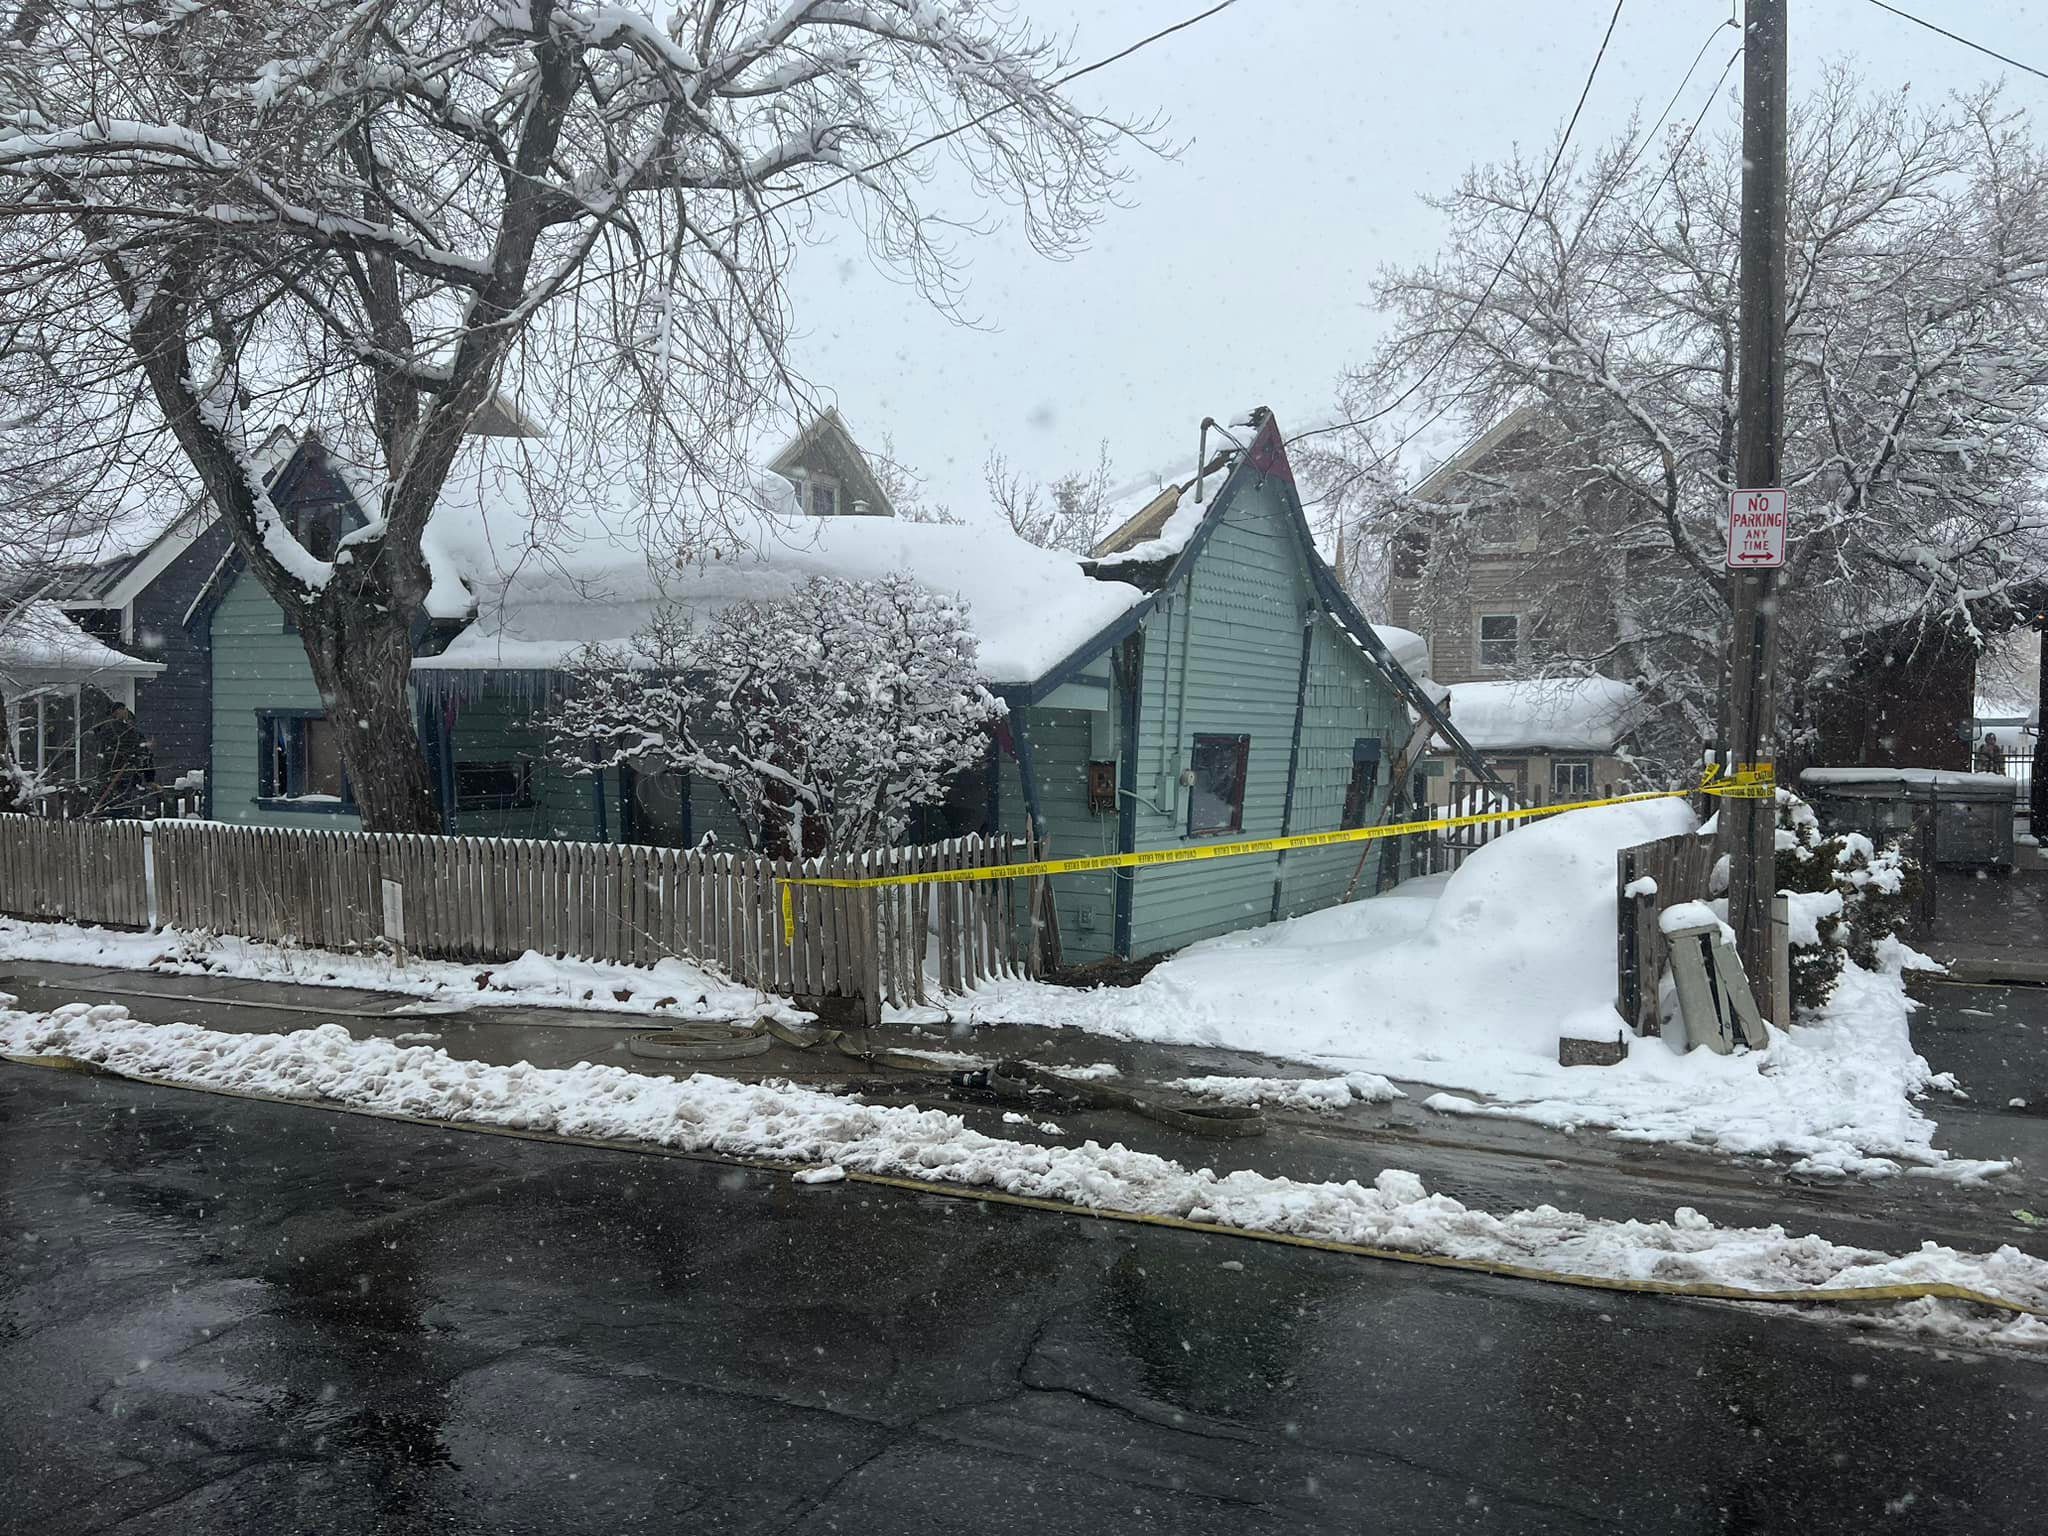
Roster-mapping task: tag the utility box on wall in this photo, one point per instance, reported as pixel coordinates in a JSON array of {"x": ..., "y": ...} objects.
[{"x": 1102, "y": 786}]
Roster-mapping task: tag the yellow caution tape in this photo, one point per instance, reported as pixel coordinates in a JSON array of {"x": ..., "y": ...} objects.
[{"x": 1750, "y": 781}]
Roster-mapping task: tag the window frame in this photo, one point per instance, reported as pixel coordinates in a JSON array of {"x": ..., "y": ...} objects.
[
  {"x": 831, "y": 487},
  {"x": 1579, "y": 766},
  {"x": 37, "y": 696},
  {"x": 293, "y": 722},
  {"x": 1367, "y": 753},
  {"x": 1241, "y": 745},
  {"x": 1480, "y": 641},
  {"x": 521, "y": 799},
  {"x": 1485, "y": 544}
]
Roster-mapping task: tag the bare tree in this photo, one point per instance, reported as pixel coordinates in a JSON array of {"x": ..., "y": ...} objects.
[
  {"x": 1070, "y": 513},
  {"x": 905, "y": 487},
  {"x": 386, "y": 220},
  {"x": 1917, "y": 358}
]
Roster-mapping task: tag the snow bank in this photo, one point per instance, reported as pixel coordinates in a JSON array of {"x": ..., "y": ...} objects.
[
  {"x": 1467, "y": 983},
  {"x": 782, "y": 1122},
  {"x": 670, "y": 989},
  {"x": 1318, "y": 1093}
]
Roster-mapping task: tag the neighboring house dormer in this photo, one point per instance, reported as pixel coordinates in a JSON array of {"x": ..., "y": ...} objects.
[{"x": 832, "y": 477}]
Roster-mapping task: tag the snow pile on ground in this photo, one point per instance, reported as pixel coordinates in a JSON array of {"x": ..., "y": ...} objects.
[
  {"x": 1318, "y": 1093},
  {"x": 786, "y": 1123},
  {"x": 670, "y": 989},
  {"x": 1467, "y": 982}
]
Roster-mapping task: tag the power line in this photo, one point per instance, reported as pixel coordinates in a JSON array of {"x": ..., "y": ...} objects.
[
  {"x": 971, "y": 123},
  {"x": 1528, "y": 218},
  {"x": 1676, "y": 155},
  {"x": 1650, "y": 137},
  {"x": 1957, "y": 37},
  {"x": 1686, "y": 142}
]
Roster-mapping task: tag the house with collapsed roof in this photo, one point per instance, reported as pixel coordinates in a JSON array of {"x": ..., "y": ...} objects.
[{"x": 1202, "y": 679}]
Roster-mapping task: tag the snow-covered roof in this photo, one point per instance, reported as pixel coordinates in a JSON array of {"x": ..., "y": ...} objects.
[
  {"x": 40, "y": 644},
  {"x": 1169, "y": 524},
  {"x": 1475, "y": 448},
  {"x": 1574, "y": 714},
  {"x": 549, "y": 580},
  {"x": 1407, "y": 648},
  {"x": 1920, "y": 778}
]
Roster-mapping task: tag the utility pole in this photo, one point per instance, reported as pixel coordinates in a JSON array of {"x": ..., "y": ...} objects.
[{"x": 1750, "y": 826}]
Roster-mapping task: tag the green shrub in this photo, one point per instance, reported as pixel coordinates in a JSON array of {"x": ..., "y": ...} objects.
[{"x": 1876, "y": 891}]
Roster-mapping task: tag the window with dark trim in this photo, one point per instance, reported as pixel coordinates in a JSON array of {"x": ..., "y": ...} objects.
[
  {"x": 493, "y": 786},
  {"x": 298, "y": 758},
  {"x": 1216, "y": 800},
  {"x": 1365, "y": 781}
]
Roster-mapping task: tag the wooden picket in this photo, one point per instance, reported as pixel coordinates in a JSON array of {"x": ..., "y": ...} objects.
[{"x": 485, "y": 899}]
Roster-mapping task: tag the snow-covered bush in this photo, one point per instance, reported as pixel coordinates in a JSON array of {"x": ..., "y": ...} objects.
[
  {"x": 1844, "y": 893},
  {"x": 824, "y": 718}
]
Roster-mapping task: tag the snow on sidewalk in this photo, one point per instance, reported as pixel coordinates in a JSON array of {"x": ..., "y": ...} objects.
[
  {"x": 786, "y": 1123},
  {"x": 1466, "y": 983},
  {"x": 671, "y": 988}
]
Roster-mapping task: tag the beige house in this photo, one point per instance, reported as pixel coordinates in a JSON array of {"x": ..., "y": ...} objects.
[
  {"x": 1499, "y": 587},
  {"x": 1487, "y": 569}
]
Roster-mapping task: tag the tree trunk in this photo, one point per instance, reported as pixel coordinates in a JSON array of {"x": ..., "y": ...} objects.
[{"x": 360, "y": 647}]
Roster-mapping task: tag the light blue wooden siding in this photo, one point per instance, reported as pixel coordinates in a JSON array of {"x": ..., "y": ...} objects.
[
  {"x": 1347, "y": 699},
  {"x": 1223, "y": 657},
  {"x": 1061, "y": 745},
  {"x": 256, "y": 666}
]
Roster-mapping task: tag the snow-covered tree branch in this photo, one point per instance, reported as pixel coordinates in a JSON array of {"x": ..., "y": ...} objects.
[
  {"x": 1917, "y": 369},
  {"x": 824, "y": 719},
  {"x": 389, "y": 222}
]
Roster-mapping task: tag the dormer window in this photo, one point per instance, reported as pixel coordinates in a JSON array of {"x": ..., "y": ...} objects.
[{"x": 822, "y": 496}]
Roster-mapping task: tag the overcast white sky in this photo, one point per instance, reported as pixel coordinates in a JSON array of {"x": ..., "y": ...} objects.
[{"x": 1241, "y": 272}]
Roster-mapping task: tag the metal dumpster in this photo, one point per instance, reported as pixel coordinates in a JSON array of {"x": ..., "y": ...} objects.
[{"x": 1973, "y": 811}]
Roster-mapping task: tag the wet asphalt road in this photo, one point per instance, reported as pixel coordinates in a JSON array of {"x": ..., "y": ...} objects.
[{"x": 225, "y": 1316}]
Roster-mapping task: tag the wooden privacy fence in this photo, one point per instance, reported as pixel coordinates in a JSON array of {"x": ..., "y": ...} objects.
[
  {"x": 81, "y": 871},
  {"x": 493, "y": 899},
  {"x": 1682, "y": 868}
]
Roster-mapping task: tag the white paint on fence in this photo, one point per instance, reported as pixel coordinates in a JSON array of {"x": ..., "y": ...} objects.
[{"x": 394, "y": 912}]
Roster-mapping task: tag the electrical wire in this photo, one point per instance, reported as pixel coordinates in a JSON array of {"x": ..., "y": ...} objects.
[
  {"x": 962, "y": 127},
  {"x": 1528, "y": 218},
  {"x": 1957, "y": 37}
]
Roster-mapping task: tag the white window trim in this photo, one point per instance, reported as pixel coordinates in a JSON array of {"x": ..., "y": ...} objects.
[
  {"x": 1574, "y": 763},
  {"x": 34, "y": 695},
  {"x": 1479, "y": 618},
  {"x": 831, "y": 484}
]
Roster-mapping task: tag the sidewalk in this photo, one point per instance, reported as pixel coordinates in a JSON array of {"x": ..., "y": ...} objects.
[
  {"x": 1493, "y": 1164},
  {"x": 1990, "y": 928}
]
